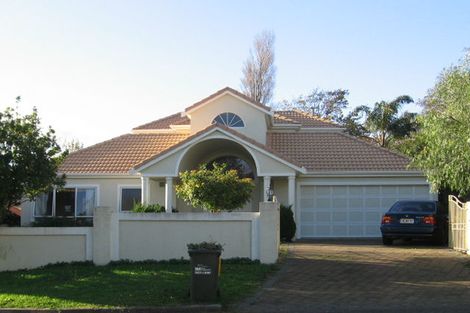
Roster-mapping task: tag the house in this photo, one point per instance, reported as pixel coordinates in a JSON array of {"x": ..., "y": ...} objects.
[{"x": 337, "y": 185}]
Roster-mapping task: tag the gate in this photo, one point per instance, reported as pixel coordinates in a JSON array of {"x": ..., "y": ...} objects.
[{"x": 459, "y": 224}]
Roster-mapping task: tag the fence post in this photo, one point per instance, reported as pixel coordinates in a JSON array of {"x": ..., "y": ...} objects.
[
  {"x": 269, "y": 222},
  {"x": 105, "y": 236},
  {"x": 467, "y": 227}
]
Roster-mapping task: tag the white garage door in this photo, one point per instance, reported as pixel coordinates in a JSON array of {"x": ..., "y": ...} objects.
[{"x": 350, "y": 211}]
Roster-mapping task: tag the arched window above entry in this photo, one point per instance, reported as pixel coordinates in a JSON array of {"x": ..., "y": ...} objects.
[{"x": 229, "y": 119}]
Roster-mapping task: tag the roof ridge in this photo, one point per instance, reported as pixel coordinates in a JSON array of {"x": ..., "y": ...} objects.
[
  {"x": 232, "y": 90},
  {"x": 314, "y": 116},
  {"x": 376, "y": 146},
  {"x": 286, "y": 118},
  {"x": 157, "y": 120}
]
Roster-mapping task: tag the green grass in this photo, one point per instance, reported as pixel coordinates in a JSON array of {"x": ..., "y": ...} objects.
[{"x": 82, "y": 285}]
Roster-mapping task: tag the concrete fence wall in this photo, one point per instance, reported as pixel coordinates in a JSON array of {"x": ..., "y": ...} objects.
[
  {"x": 143, "y": 236},
  {"x": 30, "y": 247}
]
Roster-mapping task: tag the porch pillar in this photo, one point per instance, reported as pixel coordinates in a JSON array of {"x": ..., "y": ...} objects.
[
  {"x": 266, "y": 186},
  {"x": 168, "y": 194},
  {"x": 291, "y": 192},
  {"x": 145, "y": 190}
]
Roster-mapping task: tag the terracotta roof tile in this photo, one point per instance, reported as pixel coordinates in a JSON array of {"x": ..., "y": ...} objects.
[
  {"x": 164, "y": 123},
  {"x": 221, "y": 91},
  {"x": 205, "y": 130},
  {"x": 307, "y": 120},
  {"x": 335, "y": 151},
  {"x": 118, "y": 155}
]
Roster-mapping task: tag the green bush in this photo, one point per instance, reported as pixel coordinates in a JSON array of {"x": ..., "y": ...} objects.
[
  {"x": 214, "y": 190},
  {"x": 63, "y": 222},
  {"x": 148, "y": 208},
  {"x": 205, "y": 245},
  {"x": 288, "y": 226}
]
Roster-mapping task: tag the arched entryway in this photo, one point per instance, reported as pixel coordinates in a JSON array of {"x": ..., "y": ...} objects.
[{"x": 222, "y": 151}]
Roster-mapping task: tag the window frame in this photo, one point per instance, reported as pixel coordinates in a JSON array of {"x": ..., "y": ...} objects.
[
  {"x": 119, "y": 194},
  {"x": 71, "y": 186},
  {"x": 224, "y": 124}
]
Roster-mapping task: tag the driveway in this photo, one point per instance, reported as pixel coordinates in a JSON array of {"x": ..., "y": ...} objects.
[{"x": 364, "y": 276}]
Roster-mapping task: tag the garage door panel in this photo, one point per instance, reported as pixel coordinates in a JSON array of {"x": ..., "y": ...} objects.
[{"x": 350, "y": 211}]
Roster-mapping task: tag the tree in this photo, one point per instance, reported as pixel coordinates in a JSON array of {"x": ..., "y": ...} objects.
[
  {"x": 382, "y": 123},
  {"x": 328, "y": 104},
  {"x": 72, "y": 145},
  {"x": 259, "y": 71},
  {"x": 217, "y": 189},
  {"x": 445, "y": 131},
  {"x": 29, "y": 158}
]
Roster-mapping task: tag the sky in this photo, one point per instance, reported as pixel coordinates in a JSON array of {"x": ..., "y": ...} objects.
[{"x": 97, "y": 68}]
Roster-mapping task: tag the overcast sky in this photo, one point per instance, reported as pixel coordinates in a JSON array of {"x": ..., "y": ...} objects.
[{"x": 95, "y": 69}]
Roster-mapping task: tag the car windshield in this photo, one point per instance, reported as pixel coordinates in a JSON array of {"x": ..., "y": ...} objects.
[{"x": 413, "y": 207}]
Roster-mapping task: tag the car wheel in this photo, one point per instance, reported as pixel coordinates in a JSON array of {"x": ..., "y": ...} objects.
[{"x": 387, "y": 241}]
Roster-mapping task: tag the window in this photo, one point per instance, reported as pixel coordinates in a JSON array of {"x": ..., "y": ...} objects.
[
  {"x": 242, "y": 167},
  {"x": 44, "y": 204},
  {"x": 67, "y": 202},
  {"x": 129, "y": 196},
  {"x": 229, "y": 119}
]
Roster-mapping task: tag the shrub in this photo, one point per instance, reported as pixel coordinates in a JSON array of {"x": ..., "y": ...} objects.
[
  {"x": 217, "y": 189},
  {"x": 63, "y": 222},
  {"x": 288, "y": 226},
  {"x": 10, "y": 219},
  {"x": 148, "y": 208},
  {"x": 205, "y": 245}
]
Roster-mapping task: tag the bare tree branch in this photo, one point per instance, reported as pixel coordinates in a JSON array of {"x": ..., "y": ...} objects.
[{"x": 258, "y": 70}]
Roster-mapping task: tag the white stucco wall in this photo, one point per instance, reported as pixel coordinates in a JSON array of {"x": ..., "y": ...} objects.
[
  {"x": 30, "y": 247},
  {"x": 254, "y": 119}
]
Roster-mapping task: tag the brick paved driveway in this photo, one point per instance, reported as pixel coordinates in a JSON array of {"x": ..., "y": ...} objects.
[{"x": 364, "y": 276}]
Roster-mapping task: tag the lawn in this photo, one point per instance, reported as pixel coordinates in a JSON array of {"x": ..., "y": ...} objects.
[{"x": 83, "y": 285}]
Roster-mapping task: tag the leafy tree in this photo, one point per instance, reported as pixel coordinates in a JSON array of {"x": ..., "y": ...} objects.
[
  {"x": 327, "y": 104},
  {"x": 214, "y": 190},
  {"x": 382, "y": 123},
  {"x": 259, "y": 71},
  {"x": 445, "y": 130},
  {"x": 29, "y": 158}
]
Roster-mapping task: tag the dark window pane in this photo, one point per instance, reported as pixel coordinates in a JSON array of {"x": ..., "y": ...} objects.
[
  {"x": 129, "y": 196},
  {"x": 44, "y": 205},
  {"x": 65, "y": 202},
  {"x": 242, "y": 167}
]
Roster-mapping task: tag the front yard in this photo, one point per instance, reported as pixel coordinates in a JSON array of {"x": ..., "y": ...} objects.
[{"x": 83, "y": 285}]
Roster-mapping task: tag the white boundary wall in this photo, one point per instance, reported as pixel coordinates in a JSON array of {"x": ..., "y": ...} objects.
[
  {"x": 30, "y": 247},
  {"x": 143, "y": 236}
]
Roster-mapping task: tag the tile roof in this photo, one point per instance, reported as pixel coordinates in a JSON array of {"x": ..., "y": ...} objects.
[
  {"x": 222, "y": 91},
  {"x": 307, "y": 120},
  {"x": 118, "y": 155},
  {"x": 164, "y": 123},
  {"x": 335, "y": 151},
  {"x": 227, "y": 129}
]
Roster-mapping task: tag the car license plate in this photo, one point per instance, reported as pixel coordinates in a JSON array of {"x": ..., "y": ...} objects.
[{"x": 407, "y": 221}]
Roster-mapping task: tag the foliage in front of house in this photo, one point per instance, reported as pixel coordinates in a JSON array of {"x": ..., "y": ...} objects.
[
  {"x": 214, "y": 190},
  {"x": 443, "y": 143},
  {"x": 29, "y": 158},
  {"x": 287, "y": 227},
  {"x": 205, "y": 245},
  {"x": 148, "y": 208}
]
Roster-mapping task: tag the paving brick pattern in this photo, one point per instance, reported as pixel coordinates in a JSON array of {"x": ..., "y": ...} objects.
[{"x": 364, "y": 276}]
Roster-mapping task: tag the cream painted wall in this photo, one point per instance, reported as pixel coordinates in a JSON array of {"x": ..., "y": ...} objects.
[
  {"x": 108, "y": 188},
  {"x": 280, "y": 189},
  {"x": 163, "y": 240},
  {"x": 254, "y": 120},
  {"x": 33, "y": 247}
]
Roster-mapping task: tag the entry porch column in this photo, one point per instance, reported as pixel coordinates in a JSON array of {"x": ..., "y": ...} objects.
[
  {"x": 266, "y": 186},
  {"x": 168, "y": 194}
]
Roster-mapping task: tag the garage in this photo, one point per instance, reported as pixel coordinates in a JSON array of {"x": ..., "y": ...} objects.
[{"x": 350, "y": 210}]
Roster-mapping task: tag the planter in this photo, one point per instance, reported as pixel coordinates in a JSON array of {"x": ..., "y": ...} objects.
[{"x": 205, "y": 267}]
